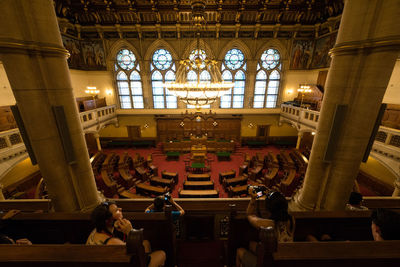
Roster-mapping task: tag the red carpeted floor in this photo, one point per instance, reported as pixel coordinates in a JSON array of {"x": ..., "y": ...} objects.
[{"x": 159, "y": 160}]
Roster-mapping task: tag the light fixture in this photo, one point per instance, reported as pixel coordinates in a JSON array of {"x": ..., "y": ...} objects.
[
  {"x": 182, "y": 124},
  {"x": 215, "y": 124},
  {"x": 92, "y": 90},
  {"x": 146, "y": 126},
  {"x": 198, "y": 79},
  {"x": 304, "y": 89},
  {"x": 250, "y": 125},
  {"x": 109, "y": 92},
  {"x": 312, "y": 133}
]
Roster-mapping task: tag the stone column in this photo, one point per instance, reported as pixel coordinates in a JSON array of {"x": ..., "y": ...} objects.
[
  {"x": 299, "y": 137},
  {"x": 363, "y": 58},
  {"x": 36, "y": 65},
  {"x": 97, "y": 137}
]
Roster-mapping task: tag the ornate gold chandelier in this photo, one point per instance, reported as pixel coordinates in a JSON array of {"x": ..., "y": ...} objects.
[{"x": 198, "y": 79}]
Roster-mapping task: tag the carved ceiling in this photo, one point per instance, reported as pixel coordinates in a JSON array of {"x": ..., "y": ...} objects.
[{"x": 173, "y": 18}]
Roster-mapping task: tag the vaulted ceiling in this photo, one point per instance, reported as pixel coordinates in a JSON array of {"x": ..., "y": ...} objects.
[{"x": 172, "y": 18}]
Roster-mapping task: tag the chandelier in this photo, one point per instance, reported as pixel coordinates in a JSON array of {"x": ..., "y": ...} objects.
[{"x": 198, "y": 79}]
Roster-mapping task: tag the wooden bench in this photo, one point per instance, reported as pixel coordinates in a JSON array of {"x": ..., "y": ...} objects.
[
  {"x": 74, "y": 228},
  {"x": 198, "y": 185},
  {"x": 158, "y": 181},
  {"x": 237, "y": 190},
  {"x": 76, "y": 255},
  {"x": 198, "y": 177},
  {"x": 255, "y": 172},
  {"x": 226, "y": 175},
  {"x": 241, "y": 180},
  {"x": 336, "y": 253},
  {"x": 150, "y": 190},
  {"x": 340, "y": 225},
  {"x": 43, "y": 205},
  {"x": 198, "y": 193}
]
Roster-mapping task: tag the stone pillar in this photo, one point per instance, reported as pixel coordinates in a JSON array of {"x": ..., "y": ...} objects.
[
  {"x": 299, "y": 137},
  {"x": 362, "y": 62},
  {"x": 97, "y": 137},
  {"x": 36, "y": 65}
]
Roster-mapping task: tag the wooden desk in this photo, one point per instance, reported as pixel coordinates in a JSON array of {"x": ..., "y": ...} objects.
[
  {"x": 198, "y": 193},
  {"x": 158, "y": 181},
  {"x": 170, "y": 175},
  {"x": 146, "y": 189},
  {"x": 198, "y": 157},
  {"x": 198, "y": 167},
  {"x": 141, "y": 173},
  {"x": 237, "y": 190},
  {"x": 196, "y": 185},
  {"x": 173, "y": 155},
  {"x": 198, "y": 149},
  {"x": 224, "y": 155},
  {"x": 198, "y": 177},
  {"x": 241, "y": 180},
  {"x": 229, "y": 174},
  {"x": 255, "y": 172}
]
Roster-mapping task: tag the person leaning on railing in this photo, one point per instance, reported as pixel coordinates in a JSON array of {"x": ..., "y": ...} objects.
[{"x": 279, "y": 219}]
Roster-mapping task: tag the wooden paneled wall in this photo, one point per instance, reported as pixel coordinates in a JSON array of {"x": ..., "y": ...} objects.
[{"x": 185, "y": 126}]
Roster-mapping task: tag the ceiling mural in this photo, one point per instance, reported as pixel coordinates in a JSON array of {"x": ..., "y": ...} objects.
[{"x": 173, "y": 19}]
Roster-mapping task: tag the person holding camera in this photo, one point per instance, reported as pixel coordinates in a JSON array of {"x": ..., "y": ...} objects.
[
  {"x": 159, "y": 206},
  {"x": 279, "y": 218},
  {"x": 111, "y": 228}
]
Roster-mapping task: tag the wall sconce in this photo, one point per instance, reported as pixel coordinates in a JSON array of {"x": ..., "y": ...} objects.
[
  {"x": 250, "y": 125},
  {"x": 312, "y": 133},
  {"x": 92, "y": 90},
  {"x": 215, "y": 124},
  {"x": 182, "y": 124},
  {"x": 146, "y": 126},
  {"x": 109, "y": 92},
  {"x": 289, "y": 91}
]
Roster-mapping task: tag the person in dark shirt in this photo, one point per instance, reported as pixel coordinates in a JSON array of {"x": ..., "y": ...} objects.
[
  {"x": 385, "y": 225},
  {"x": 159, "y": 206}
]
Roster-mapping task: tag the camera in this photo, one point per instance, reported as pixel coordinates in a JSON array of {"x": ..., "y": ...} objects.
[
  {"x": 260, "y": 190},
  {"x": 167, "y": 196}
]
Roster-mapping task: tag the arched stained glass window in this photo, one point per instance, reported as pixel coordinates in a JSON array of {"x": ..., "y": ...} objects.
[
  {"x": 234, "y": 70},
  {"x": 163, "y": 70},
  {"x": 129, "y": 89},
  {"x": 268, "y": 77}
]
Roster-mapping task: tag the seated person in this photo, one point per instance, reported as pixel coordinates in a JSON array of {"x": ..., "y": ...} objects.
[
  {"x": 355, "y": 202},
  {"x": 279, "y": 219},
  {"x": 7, "y": 240},
  {"x": 107, "y": 217},
  {"x": 159, "y": 206},
  {"x": 385, "y": 225}
]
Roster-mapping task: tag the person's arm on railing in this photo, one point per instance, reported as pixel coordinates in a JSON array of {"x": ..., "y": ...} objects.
[{"x": 177, "y": 206}]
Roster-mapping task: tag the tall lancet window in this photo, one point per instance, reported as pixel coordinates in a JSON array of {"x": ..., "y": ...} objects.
[
  {"x": 162, "y": 69},
  {"x": 268, "y": 79},
  {"x": 234, "y": 70},
  {"x": 129, "y": 82}
]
